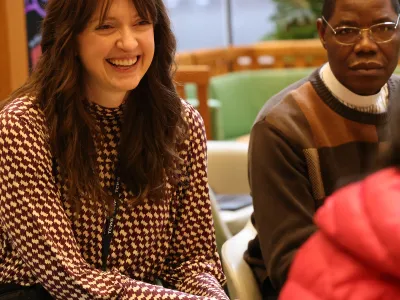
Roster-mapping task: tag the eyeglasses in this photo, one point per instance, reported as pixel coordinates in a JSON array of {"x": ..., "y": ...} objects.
[{"x": 379, "y": 33}]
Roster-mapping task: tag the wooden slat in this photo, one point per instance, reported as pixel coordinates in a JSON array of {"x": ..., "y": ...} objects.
[
  {"x": 184, "y": 58},
  {"x": 217, "y": 59},
  {"x": 199, "y": 75}
]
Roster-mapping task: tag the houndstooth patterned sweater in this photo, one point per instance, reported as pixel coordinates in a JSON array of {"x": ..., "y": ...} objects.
[{"x": 173, "y": 241}]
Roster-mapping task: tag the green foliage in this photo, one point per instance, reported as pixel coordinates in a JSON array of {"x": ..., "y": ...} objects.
[{"x": 295, "y": 19}]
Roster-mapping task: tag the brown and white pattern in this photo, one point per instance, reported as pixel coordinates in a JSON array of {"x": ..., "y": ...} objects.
[{"x": 39, "y": 242}]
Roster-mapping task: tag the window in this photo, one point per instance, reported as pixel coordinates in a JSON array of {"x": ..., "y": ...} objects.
[
  {"x": 211, "y": 24},
  {"x": 251, "y": 20},
  {"x": 198, "y": 23}
]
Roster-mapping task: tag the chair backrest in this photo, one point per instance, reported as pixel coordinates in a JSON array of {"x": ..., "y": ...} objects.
[
  {"x": 227, "y": 167},
  {"x": 200, "y": 76},
  {"x": 242, "y": 95},
  {"x": 241, "y": 281}
]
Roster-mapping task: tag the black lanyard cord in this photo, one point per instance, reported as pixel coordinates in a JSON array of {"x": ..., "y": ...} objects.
[{"x": 109, "y": 225}]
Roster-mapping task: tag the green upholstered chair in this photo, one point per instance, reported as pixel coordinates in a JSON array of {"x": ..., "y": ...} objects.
[{"x": 242, "y": 95}]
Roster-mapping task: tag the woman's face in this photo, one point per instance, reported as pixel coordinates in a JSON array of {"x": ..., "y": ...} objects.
[{"x": 117, "y": 53}]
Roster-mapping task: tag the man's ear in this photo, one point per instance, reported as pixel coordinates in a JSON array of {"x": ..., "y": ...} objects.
[{"x": 321, "y": 31}]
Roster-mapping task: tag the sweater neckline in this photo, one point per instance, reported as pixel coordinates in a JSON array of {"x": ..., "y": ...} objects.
[
  {"x": 350, "y": 98},
  {"x": 101, "y": 113},
  {"x": 345, "y": 111}
]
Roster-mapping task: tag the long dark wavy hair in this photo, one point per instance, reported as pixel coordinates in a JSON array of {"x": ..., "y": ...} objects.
[{"x": 152, "y": 127}]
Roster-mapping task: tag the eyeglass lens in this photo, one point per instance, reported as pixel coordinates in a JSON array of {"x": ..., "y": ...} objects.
[{"x": 378, "y": 32}]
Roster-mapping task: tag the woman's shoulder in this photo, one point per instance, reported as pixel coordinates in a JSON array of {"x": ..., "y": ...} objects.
[
  {"x": 20, "y": 107},
  {"x": 191, "y": 115},
  {"x": 21, "y": 113},
  {"x": 195, "y": 137},
  {"x": 194, "y": 121}
]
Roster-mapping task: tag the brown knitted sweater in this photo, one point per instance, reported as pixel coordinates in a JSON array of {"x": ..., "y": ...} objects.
[
  {"x": 303, "y": 144},
  {"x": 39, "y": 243}
]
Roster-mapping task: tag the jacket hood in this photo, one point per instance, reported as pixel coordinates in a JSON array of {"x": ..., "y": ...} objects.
[{"x": 364, "y": 220}]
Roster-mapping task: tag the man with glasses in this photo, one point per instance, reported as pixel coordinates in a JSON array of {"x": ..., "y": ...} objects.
[{"x": 321, "y": 130}]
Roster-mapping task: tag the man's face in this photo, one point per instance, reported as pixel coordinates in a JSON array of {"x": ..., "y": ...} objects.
[{"x": 365, "y": 66}]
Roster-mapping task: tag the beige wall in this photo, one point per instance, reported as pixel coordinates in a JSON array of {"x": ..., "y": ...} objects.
[{"x": 13, "y": 46}]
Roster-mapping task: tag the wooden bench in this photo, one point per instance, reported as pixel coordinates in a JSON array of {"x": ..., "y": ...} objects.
[{"x": 262, "y": 55}]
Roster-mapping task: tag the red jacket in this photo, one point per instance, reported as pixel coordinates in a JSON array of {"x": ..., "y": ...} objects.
[{"x": 356, "y": 253}]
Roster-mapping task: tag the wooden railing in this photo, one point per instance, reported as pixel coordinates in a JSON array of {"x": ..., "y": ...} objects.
[{"x": 269, "y": 54}]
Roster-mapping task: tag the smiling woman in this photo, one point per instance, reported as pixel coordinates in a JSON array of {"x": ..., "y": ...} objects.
[
  {"x": 101, "y": 165},
  {"x": 116, "y": 50}
]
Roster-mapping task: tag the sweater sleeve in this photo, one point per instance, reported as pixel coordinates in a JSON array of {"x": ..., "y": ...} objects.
[
  {"x": 282, "y": 198},
  {"x": 193, "y": 265},
  {"x": 32, "y": 215}
]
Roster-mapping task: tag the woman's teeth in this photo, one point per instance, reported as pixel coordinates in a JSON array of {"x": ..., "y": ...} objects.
[{"x": 123, "y": 62}]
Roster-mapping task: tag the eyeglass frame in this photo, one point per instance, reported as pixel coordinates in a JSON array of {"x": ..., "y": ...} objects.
[{"x": 361, "y": 30}]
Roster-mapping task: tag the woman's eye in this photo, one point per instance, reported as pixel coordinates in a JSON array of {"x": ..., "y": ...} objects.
[
  {"x": 143, "y": 22},
  {"x": 103, "y": 27}
]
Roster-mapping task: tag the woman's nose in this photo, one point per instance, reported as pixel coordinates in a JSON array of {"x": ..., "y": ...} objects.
[{"x": 127, "y": 40}]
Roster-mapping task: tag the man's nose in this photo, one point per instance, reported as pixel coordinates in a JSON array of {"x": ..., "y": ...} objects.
[{"x": 366, "y": 42}]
